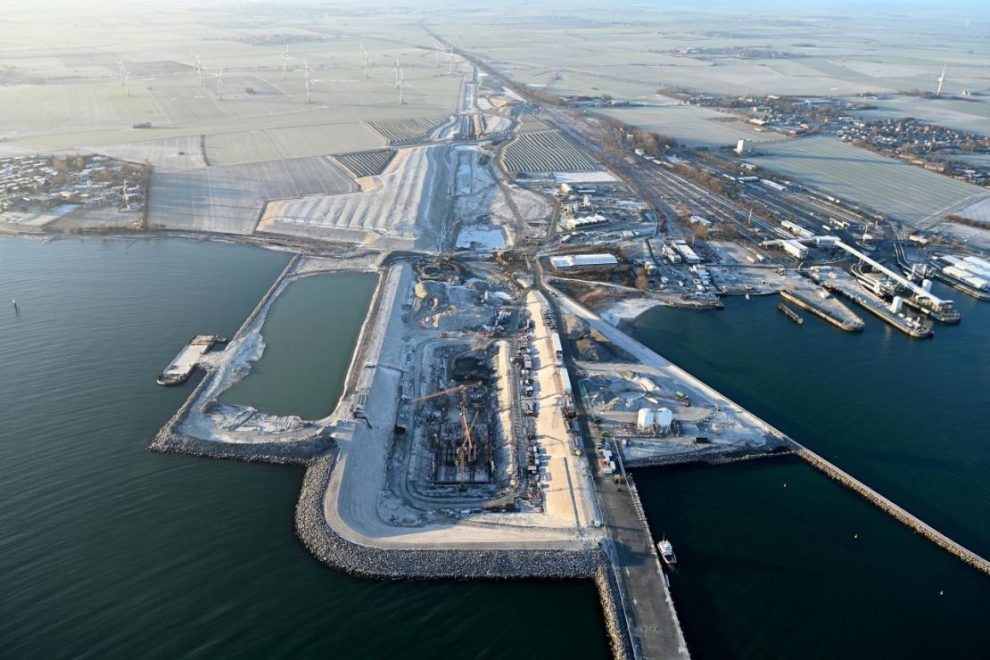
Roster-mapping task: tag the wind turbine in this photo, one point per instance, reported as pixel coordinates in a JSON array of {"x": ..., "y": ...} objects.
[
  {"x": 941, "y": 79},
  {"x": 197, "y": 68},
  {"x": 285, "y": 61},
  {"x": 364, "y": 60},
  {"x": 307, "y": 80},
  {"x": 438, "y": 49},
  {"x": 123, "y": 75},
  {"x": 219, "y": 76},
  {"x": 451, "y": 62},
  {"x": 397, "y": 70},
  {"x": 401, "y": 85}
]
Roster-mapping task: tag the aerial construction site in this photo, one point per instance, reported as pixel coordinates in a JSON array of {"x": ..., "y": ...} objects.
[{"x": 494, "y": 400}]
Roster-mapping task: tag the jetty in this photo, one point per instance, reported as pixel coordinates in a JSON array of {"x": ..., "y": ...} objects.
[
  {"x": 839, "y": 281},
  {"x": 893, "y": 510},
  {"x": 181, "y": 367},
  {"x": 825, "y": 307},
  {"x": 790, "y": 313}
]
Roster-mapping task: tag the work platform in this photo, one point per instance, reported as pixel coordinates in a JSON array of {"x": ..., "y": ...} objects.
[{"x": 181, "y": 367}]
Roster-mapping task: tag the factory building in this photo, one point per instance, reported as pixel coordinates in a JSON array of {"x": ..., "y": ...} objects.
[
  {"x": 583, "y": 261},
  {"x": 571, "y": 224},
  {"x": 743, "y": 147},
  {"x": 689, "y": 255}
]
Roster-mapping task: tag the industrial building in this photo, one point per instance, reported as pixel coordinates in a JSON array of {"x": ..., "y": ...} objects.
[{"x": 583, "y": 261}]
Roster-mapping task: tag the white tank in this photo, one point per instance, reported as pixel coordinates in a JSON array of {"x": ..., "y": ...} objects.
[
  {"x": 896, "y": 304},
  {"x": 926, "y": 284}
]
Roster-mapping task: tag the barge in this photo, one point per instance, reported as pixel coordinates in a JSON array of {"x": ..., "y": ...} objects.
[{"x": 181, "y": 367}]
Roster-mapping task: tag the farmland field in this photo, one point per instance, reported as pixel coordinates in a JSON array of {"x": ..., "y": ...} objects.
[
  {"x": 230, "y": 199},
  {"x": 407, "y": 130},
  {"x": 170, "y": 153},
  {"x": 545, "y": 151},
  {"x": 690, "y": 125},
  {"x": 366, "y": 163},
  {"x": 906, "y": 192},
  {"x": 529, "y": 123}
]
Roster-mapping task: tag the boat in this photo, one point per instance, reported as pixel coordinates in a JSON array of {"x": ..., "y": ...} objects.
[{"x": 667, "y": 552}]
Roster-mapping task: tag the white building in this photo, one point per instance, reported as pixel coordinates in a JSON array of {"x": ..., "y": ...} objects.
[
  {"x": 583, "y": 260},
  {"x": 795, "y": 248},
  {"x": 743, "y": 147}
]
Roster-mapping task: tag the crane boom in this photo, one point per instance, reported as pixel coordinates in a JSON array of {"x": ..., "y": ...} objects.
[{"x": 449, "y": 390}]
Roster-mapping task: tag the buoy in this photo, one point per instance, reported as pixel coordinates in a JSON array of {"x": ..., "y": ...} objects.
[
  {"x": 855, "y": 536},
  {"x": 16, "y": 308},
  {"x": 785, "y": 484}
]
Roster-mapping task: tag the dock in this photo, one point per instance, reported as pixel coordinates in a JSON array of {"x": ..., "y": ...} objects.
[
  {"x": 790, "y": 313},
  {"x": 826, "y": 308},
  {"x": 840, "y": 282},
  {"x": 181, "y": 367}
]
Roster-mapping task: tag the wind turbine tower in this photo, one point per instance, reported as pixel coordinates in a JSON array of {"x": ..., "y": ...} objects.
[
  {"x": 364, "y": 60},
  {"x": 308, "y": 81},
  {"x": 123, "y": 75},
  {"x": 285, "y": 61},
  {"x": 219, "y": 76},
  {"x": 197, "y": 68},
  {"x": 941, "y": 80},
  {"x": 401, "y": 85}
]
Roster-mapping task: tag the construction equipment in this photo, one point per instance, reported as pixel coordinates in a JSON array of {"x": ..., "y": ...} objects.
[
  {"x": 450, "y": 390},
  {"x": 467, "y": 447}
]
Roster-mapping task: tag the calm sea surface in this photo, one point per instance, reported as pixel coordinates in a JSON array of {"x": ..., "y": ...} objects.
[
  {"x": 108, "y": 551},
  {"x": 776, "y": 560}
]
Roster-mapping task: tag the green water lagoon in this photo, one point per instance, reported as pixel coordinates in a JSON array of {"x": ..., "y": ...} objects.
[{"x": 310, "y": 334}]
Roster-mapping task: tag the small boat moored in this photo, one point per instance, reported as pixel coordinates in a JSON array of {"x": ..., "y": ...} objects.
[{"x": 667, "y": 552}]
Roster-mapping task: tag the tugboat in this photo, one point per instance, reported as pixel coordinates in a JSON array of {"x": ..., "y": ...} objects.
[{"x": 667, "y": 552}]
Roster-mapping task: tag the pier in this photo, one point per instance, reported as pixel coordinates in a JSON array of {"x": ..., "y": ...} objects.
[
  {"x": 840, "y": 282},
  {"x": 828, "y": 309},
  {"x": 790, "y": 313},
  {"x": 181, "y": 367},
  {"x": 919, "y": 292}
]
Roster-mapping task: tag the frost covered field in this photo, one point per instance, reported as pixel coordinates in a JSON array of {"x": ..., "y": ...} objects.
[
  {"x": 660, "y": 48},
  {"x": 889, "y": 186},
  {"x": 692, "y": 126},
  {"x": 545, "y": 151}
]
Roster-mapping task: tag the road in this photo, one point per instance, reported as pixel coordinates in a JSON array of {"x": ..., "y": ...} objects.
[{"x": 652, "y": 624}]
